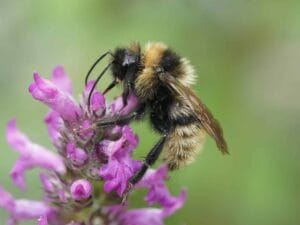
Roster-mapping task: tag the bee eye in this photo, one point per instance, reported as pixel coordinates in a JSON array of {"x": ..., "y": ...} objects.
[{"x": 128, "y": 60}]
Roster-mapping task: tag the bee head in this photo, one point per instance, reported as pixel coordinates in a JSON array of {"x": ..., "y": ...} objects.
[{"x": 125, "y": 63}]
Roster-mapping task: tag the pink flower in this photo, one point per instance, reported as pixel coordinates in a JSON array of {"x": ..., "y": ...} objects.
[
  {"x": 58, "y": 100},
  {"x": 158, "y": 191},
  {"x": 77, "y": 155},
  {"x": 97, "y": 99},
  {"x": 22, "y": 209},
  {"x": 120, "y": 166},
  {"x": 117, "y": 107},
  {"x": 55, "y": 124},
  {"x": 31, "y": 155},
  {"x": 61, "y": 79}
]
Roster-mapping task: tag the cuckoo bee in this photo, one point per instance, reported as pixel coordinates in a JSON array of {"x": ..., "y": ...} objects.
[{"x": 161, "y": 80}]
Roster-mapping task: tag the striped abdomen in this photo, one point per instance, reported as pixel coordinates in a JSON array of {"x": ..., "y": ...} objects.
[{"x": 183, "y": 145}]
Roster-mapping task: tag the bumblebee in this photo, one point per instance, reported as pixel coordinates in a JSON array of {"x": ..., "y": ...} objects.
[{"x": 162, "y": 81}]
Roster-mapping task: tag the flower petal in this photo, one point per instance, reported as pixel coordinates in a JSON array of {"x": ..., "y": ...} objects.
[
  {"x": 144, "y": 216},
  {"x": 17, "y": 173},
  {"x": 46, "y": 182},
  {"x": 117, "y": 173},
  {"x": 26, "y": 209},
  {"x": 31, "y": 155},
  {"x": 7, "y": 201},
  {"x": 22, "y": 209},
  {"x": 97, "y": 99},
  {"x": 61, "y": 79},
  {"x": 42, "y": 220},
  {"x": 58, "y": 100},
  {"x": 123, "y": 146},
  {"x": 154, "y": 180},
  {"x": 98, "y": 103},
  {"x": 120, "y": 166},
  {"x": 77, "y": 155},
  {"x": 175, "y": 203},
  {"x": 87, "y": 130},
  {"x": 117, "y": 106},
  {"x": 55, "y": 125}
]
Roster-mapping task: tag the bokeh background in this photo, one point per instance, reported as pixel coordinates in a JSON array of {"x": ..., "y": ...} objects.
[{"x": 246, "y": 54}]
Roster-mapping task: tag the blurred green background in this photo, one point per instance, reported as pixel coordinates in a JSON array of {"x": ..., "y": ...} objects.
[{"x": 246, "y": 54}]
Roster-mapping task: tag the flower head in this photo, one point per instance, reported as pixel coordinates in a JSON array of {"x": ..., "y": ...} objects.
[{"x": 85, "y": 180}]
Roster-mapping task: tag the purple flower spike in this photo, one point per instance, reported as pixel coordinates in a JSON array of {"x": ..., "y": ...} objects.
[
  {"x": 81, "y": 190},
  {"x": 92, "y": 162},
  {"x": 31, "y": 155},
  {"x": 58, "y": 100}
]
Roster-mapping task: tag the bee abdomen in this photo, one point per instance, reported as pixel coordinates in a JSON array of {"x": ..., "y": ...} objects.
[{"x": 184, "y": 144}]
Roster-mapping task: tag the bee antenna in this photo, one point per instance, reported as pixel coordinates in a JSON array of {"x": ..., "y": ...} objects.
[
  {"x": 96, "y": 82},
  {"x": 94, "y": 65}
]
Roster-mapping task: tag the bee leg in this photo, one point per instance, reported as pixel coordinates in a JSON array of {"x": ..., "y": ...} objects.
[
  {"x": 125, "y": 94},
  {"x": 117, "y": 120},
  {"x": 151, "y": 158},
  {"x": 121, "y": 120},
  {"x": 110, "y": 86},
  {"x": 125, "y": 97}
]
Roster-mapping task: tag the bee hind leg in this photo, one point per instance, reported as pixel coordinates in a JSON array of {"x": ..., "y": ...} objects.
[{"x": 151, "y": 158}]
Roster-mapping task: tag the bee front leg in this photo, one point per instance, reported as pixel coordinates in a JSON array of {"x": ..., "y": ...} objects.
[
  {"x": 125, "y": 97},
  {"x": 122, "y": 120},
  {"x": 110, "y": 86}
]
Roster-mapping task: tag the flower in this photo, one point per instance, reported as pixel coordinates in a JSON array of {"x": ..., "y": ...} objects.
[
  {"x": 31, "y": 155},
  {"x": 58, "y": 100},
  {"x": 85, "y": 180},
  {"x": 158, "y": 191},
  {"x": 120, "y": 166},
  {"x": 21, "y": 209}
]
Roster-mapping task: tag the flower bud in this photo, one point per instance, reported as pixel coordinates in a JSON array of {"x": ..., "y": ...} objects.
[{"x": 81, "y": 190}]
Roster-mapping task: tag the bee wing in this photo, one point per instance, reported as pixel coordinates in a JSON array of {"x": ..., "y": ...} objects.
[{"x": 201, "y": 112}]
